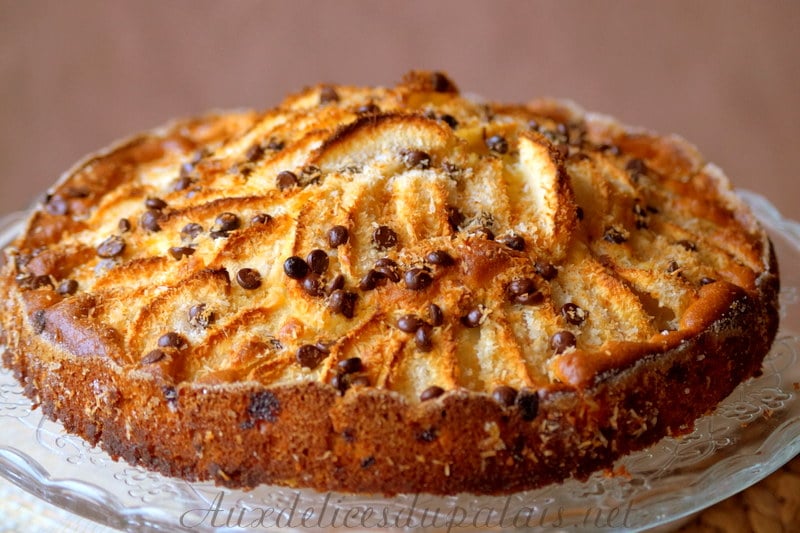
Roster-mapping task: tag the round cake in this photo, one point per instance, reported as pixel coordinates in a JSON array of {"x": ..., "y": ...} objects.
[{"x": 387, "y": 290}]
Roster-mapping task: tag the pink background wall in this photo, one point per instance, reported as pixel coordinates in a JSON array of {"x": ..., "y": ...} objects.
[{"x": 76, "y": 75}]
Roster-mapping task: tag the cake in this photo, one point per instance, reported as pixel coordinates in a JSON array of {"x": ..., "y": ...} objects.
[{"x": 387, "y": 290}]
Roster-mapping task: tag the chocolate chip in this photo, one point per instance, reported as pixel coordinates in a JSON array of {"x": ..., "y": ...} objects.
[
  {"x": 416, "y": 159},
  {"x": 367, "y": 462},
  {"x": 286, "y": 180},
  {"x": 434, "y": 391},
  {"x": 248, "y": 278},
  {"x": 388, "y": 272},
  {"x": 707, "y": 281},
  {"x": 523, "y": 291},
  {"x": 201, "y": 316},
  {"x": 309, "y": 356},
  {"x": 312, "y": 285},
  {"x": 450, "y": 120},
  {"x": 370, "y": 280},
  {"x": 182, "y": 183},
  {"x": 573, "y": 314},
  {"x": 442, "y": 84},
  {"x": 337, "y": 236},
  {"x": 275, "y": 144},
  {"x": 295, "y": 267},
  {"x": 149, "y": 220},
  {"x": 386, "y": 262},
  {"x": 264, "y": 406},
  {"x": 533, "y": 125},
  {"x": 324, "y": 346},
  {"x": 153, "y": 356},
  {"x": 340, "y": 382},
  {"x": 520, "y": 286},
  {"x": 254, "y": 153},
  {"x": 423, "y": 338},
  {"x": 579, "y": 213},
  {"x": 335, "y": 284},
  {"x": 440, "y": 258},
  {"x": 561, "y": 341},
  {"x": 687, "y": 245},
  {"x": 343, "y": 302},
  {"x": 473, "y": 318},
  {"x": 409, "y": 323},
  {"x": 124, "y": 225},
  {"x": 111, "y": 247},
  {"x": 318, "y": 261},
  {"x": 179, "y": 252},
  {"x": 513, "y": 241},
  {"x": 527, "y": 402},
  {"x": 417, "y": 279},
  {"x": 37, "y": 282},
  {"x": 327, "y": 95},
  {"x": 217, "y": 234},
  {"x": 614, "y": 235},
  {"x": 435, "y": 315},
  {"x": 455, "y": 218},
  {"x": 260, "y": 218},
  {"x": 367, "y": 109},
  {"x": 497, "y": 144},
  {"x": 350, "y": 366},
  {"x": 156, "y": 204},
  {"x": 172, "y": 340},
  {"x": 547, "y": 271},
  {"x": 227, "y": 222},
  {"x": 191, "y": 230},
  {"x": 673, "y": 267},
  {"x": 67, "y": 287},
  {"x": 504, "y": 395},
  {"x": 384, "y": 237}
]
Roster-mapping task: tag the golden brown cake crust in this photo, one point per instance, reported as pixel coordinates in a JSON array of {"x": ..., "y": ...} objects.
[{"x": 599, "y": 289}]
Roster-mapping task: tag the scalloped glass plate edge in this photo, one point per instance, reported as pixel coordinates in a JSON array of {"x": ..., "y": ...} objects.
[{"x": 754, "y": 432}]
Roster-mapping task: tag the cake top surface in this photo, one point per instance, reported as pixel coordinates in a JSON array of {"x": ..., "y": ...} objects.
[{"x": 406, "y": 238}]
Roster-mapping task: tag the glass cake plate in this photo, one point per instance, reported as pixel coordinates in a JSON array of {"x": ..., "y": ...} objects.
[{"x": 751, "y": 434}]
